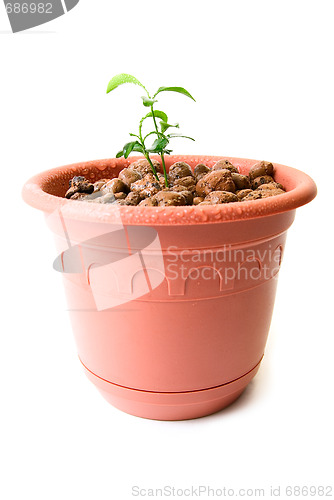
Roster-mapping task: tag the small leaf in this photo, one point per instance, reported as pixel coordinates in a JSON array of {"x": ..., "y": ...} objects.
[
  {"x": 157, "y": 114},
  {"x": 172, "y": 136},
  {"x": 132, "y": 146},
  {"x": 128, "y": 147},
  {"x": 138, "y": 148},
  {"x": 119, "y": 154},
  {"x": 164, "y": 126},
  {"x": 159, "y": 145},
  {"x": 180, "y": 90},
  {"x": 147, "y": 101},
  {"x": 122, "y": 78}
]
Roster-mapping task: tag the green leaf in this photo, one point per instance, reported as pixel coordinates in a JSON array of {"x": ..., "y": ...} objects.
[
  {"x": 158, "y": 145},
  {"x": 157, "y": 114},
  {"x": 172, "y": 136},
  {"x": 164, "y": 126},
  {"x": 180, "y": 90},
  {"x": 119, "y": 154},
  {"x": 147, "y": 101},
  {"x": 131, "y": 146},
  {"x": 122, "y": 78}
]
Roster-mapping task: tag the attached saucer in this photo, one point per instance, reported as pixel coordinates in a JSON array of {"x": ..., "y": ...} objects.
[{"x": 171, "y": 405}]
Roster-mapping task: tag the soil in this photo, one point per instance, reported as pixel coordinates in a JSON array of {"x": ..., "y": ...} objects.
[{"x": 136, "y": 185}]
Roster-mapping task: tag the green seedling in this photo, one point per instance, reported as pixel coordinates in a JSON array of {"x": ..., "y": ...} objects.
[{"x": 162, "y": 139}]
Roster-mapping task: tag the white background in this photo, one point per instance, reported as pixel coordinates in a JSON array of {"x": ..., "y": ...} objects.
[{"x": 262, "y": 75}]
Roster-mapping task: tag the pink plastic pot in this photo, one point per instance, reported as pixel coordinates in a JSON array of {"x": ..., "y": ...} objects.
[{"x": 170, "y": 306}]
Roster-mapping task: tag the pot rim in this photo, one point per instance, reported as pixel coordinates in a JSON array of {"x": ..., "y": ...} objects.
[{"x": 301, "y": 189}]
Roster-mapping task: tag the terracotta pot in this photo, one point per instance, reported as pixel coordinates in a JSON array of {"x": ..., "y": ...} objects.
[{"x": 170, "y": 306}]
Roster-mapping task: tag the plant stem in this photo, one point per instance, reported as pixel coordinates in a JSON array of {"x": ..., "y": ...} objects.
[
  {"x": 147, "y": 156},
  {"x": 161, "y": 154},
  {"x": 145, "y": 153},
  {"x": 164, "y": 169}
]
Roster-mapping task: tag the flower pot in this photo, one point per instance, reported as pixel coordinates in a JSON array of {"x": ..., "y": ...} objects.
[{"x": 170, "y": 306}]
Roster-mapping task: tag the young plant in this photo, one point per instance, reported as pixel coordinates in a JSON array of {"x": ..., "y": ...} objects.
[{"x": 160, "y": 144}]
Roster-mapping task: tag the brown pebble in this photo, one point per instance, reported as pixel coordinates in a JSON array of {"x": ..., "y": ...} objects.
[
  {"x": 226, "y": 165},
  {"x": 241, "y": 181},
  {"x": 179, "y": 169},
  {"x": 242, "y": 193},
  {"x": 120, "y": 196},
  {"x": 271, "y": 185},
  {"x": 148, "y": 202},
  {"x": 99, "y": 184},
  {"x": 143, "y": 166},
  {"x": 76, "y": 180},
  {"x": 261, "y": 168},
  {"x": 147, "y": 186},
  {"x": 169, "y": 198},
  {"x": 71, "y": 192},
  {"x": 265, "y": 193},
  {"x": 218, "y": 180},
  {"x": 79, "y": 184},
  {"x": 133, "y": 198},
  {"x": 216, "y": 197},
  {"x": 162, "y": 180},
  {"x": 263, "y": 179},
  {"x": 200, "y": 170},
  {"x": 197, "y": 200},
  {"x": 86, "y": 187},
  {"x": 188, "y": 195},
  {"x": 188, "y": 182},
  {"x": 115, "y": 186},
  {"x": 254, "y": 195},
  {"x": 129, "y": 175},
  {"x": 79, "y": 196}
]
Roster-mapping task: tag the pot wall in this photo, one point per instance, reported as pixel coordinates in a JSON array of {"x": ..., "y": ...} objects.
[{"x": 172, "y": 309}]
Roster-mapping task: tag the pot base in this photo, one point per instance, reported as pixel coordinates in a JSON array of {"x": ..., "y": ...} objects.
[{"x": 171, "y": 405}]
